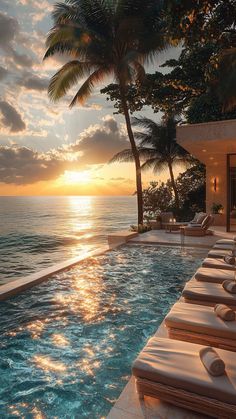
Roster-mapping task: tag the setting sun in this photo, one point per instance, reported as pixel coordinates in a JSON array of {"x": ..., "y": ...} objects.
[{"x": 73, "y": 177}]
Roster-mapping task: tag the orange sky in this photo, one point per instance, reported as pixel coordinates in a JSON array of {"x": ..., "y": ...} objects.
[{"x": 116, "y": 179}]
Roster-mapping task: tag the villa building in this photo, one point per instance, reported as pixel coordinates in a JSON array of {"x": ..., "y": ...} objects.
[{"x": 214, "y": 144}]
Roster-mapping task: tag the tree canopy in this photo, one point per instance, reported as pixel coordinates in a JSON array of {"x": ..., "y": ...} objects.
[{"x": 203, "y": 70}]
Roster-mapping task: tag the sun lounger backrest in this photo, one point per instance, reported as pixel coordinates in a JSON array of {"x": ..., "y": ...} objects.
[{"x": 207, "y": 222}]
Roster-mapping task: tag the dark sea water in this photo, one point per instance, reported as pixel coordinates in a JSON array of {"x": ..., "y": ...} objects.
[{"x": 36, "y": 232}]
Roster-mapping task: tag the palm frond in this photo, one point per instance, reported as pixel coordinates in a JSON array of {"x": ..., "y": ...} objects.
[
  {"x": 145, "y": 123},
  {"x": 149, "y": 164},
  {"x": 124, "y": 156},
  {"x": 62, "y": 48},
  {"x": 140, "y": 72},
  {"x": 63, "y": 12},
  {"x": 66, "y": 77},
  {"x": 64, "y": 33},
  {"x": 87, "y": 87}
]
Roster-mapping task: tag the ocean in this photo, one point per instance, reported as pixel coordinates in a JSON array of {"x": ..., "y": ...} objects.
[{"x": 37, "y": 232}]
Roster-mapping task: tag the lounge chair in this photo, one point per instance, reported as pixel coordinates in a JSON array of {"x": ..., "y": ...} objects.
[
  {"x": 198, "y": 219},
  {"x": 226, "y": 241},
  {"x": 172, "y": 371},
  {"x": 217, "y": 264},
  {"x": 217, "y": 276},
  {"x": 219, "y": 253},
  {"x": 224, "y": 246},
  {"x": 207, "y": 293},
  {"x": 199, "y": 230},
  {"x": 197, "y": 324}
]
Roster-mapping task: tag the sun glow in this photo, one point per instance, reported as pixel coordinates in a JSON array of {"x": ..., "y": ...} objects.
[{"x": 73, "y": 177}]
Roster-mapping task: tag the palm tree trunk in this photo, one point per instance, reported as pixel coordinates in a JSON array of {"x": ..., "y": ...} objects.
[
  {"x": 175, "y": 190},
  {"x": 136, "y": 156}
]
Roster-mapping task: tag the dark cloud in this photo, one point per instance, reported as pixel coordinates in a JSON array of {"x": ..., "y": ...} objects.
[
  {"x": 99, "y": 143},
  {"x": 33, "y": 82},
  {"x": 22, "y": 60},
  {"x": 9, "y": 35},
  {"x": 22, "y": 166},
  {"x": 3, "y": 73},
  {"x": 9, "y": 28},
  {"x": 11, "y": 118}
]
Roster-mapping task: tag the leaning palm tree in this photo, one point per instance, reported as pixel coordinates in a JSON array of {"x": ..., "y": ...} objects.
[
  {"x": 157, "y": 146},
  {"x": 103, "y": 38}
]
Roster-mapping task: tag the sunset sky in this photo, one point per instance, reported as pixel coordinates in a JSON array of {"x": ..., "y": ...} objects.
[{"x": 45, "y": 148}]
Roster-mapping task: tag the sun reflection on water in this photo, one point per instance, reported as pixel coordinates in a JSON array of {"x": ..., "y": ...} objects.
[
  {"x": 59, "y": 340},
  {"x": 34, "y": 412},
  {"x": 49, "y": 365},
  {"x": 86, "y": 300},
  {"x": 87, "y": 366},
  {"x": 36, "y": 328}
]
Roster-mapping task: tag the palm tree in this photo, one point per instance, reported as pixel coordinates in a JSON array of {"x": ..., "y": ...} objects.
[
  {"x": 104, "y": 38},
  {"x": 158, "y": 147}
]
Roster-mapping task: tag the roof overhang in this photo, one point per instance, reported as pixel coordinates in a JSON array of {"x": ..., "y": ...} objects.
[{"x": 209, "y": 142}]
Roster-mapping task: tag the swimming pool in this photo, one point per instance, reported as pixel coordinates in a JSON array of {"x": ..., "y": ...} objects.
[{"x": 67, "y": 345}]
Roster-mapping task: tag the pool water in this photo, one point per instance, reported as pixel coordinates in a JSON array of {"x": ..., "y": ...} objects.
[{"x": 67, "y": 345}]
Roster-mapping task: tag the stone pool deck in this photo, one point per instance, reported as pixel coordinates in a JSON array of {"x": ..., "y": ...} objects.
[{"x": 161, "y": 237}]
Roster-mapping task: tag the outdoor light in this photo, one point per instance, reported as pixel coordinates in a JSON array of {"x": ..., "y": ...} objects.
[{"x": 215, "y": 184}]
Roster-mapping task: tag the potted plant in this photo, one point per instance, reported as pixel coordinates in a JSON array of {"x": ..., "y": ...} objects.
[
  {"x": 217, "y": 212},
  {"x": 217, "y": 208}
]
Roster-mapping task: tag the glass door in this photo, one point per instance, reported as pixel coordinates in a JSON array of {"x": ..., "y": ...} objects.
[{"x": 231, "y": 199}]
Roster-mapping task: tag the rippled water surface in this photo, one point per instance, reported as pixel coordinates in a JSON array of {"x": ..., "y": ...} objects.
[
  {"x": 67, "y": 345},
  {"x": 36, "y": 232}
]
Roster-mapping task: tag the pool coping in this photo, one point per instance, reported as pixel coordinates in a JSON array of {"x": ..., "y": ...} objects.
[
  {"x": 16, "y": 286},
  {"x": 13, "y": 288}
]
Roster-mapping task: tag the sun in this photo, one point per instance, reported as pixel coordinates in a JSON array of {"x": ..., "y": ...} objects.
[{"x": 73, "y": 177}]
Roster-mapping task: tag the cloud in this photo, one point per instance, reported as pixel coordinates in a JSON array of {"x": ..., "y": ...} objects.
[
  {"x": 9, "y": 36},
  {"x": 9, "y": 28},
  {"x": 100, "y": 142},
  {"x": 11, "y": 117},
  {"x": 33, "y": 82},
  {"x": 22, "y": 166},
  {"x": 22, "y": 60},
  {"x": 3, "y": 73}
]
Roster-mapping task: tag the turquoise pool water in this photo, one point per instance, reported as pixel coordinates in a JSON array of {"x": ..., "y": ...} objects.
[{"x": 67, "y": 345}]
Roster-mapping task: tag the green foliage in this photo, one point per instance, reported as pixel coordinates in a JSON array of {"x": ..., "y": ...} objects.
[
  {"x": 216, "y": 208},
  {"x": 191, "y": 187},
  {"x": 207, "y": 108},
  {"x": 102, "y": 38},
  {"x": 157, "y": 197},
  {"x": 141, "y": 228},
  {"x": 206, "y": 29}
]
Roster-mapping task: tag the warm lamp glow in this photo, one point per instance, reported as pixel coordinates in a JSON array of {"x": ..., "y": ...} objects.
[{"x": 215, "y": 184}]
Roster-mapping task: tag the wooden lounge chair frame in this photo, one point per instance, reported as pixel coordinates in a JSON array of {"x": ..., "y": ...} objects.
[{"x": 185, "y": 399}]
